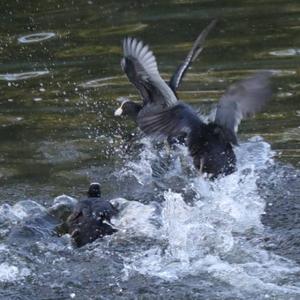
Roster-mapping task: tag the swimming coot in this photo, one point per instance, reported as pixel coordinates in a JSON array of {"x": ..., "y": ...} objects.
[{"x": 91, "y": 217}]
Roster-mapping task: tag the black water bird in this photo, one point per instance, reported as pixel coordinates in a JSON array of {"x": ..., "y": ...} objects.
[
  {"x": 210, "y": 145},
  {"x": 91, "y": 218},
  {"x": 139, "y": 64}
]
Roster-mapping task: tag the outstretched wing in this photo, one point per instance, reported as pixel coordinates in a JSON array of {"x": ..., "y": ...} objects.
[
  {"x": 243, "y": 99},
  {"x": 169, "y": 122},
  {"x": 140, "y": 66},
  {"x": 197, "y": 48}
]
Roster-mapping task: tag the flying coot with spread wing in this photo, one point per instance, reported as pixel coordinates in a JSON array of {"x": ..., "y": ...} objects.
[
  {"x": 211, "y": 144},
  {"x": 139, "y": 64}
]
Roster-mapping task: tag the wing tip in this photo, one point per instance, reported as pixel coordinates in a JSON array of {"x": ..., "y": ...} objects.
[{"x": 137, "y": 49}]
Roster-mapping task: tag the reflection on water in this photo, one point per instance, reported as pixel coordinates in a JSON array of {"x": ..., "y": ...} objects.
[{"x": 58, "y": 133}]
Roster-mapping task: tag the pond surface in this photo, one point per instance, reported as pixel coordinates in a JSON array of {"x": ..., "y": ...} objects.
[{"x": 180, "y": 236}]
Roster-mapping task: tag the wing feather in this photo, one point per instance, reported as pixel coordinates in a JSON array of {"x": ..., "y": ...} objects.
[
  {"x": 242, "y": 100},
  {"x": 140, "y": 66},
  {"x": 169, "y": 122},
  {"x": 197, "y": 48}
]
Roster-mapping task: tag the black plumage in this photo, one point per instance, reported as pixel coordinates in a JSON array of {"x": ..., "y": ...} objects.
[
  {"x": 211, "y": 145},
  {"x": 91, "y": 218},
  {"x": 139, "y": 64}
]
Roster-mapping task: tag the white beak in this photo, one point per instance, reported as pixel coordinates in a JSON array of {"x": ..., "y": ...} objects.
[{"x": 118, "y": 111}]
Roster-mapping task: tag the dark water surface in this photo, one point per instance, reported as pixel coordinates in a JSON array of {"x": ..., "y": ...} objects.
[{"x": 60, "y": 76}]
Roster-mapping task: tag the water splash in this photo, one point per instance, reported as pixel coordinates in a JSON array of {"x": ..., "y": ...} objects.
[
  {"x": 142, "y": 168},
  {"x": 10, "y": 273},
  {"x": 217, "y": 233}
]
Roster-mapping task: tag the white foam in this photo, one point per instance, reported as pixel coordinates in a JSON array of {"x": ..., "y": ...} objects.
[
  {"x": 142, "y": 168},
  {"x": 10, "y": 273},
  {"x": 20, "y": 210},
  {"x": 215, "y": 235},
  {"x": 136, "y": 218},
  {"x": 65, "y": 199}
]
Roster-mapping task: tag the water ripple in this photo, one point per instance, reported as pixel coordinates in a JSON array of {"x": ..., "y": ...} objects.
[
  {"x": 100, "y": 82},
  {"x": 36, "y": 37},
  {"x": 286, "y": 52},
  {"x": 23, "y": 75}
]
